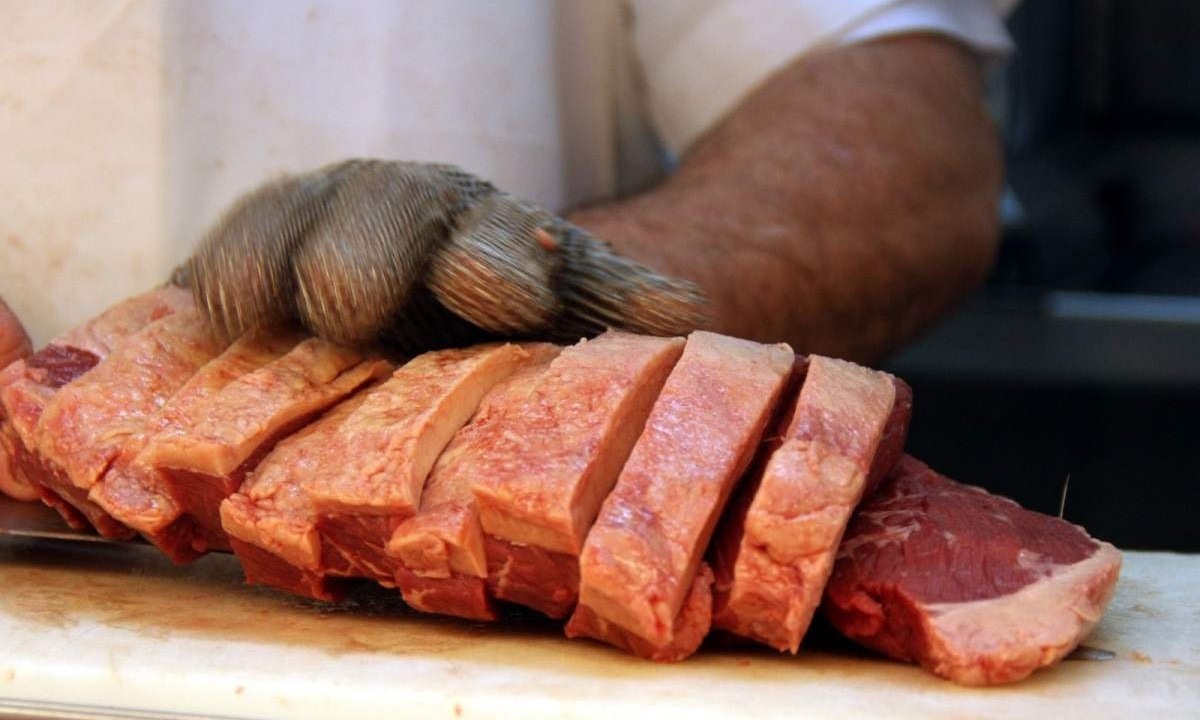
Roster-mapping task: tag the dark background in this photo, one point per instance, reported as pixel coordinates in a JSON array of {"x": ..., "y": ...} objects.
[{"x": 1081, "y": 356}]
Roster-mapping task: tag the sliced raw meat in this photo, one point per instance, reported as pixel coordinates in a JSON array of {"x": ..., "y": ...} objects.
[
  {"x": 442, "y": 566},
  {"x": 270, "y": 522},
  {"x": 689, "y": 626},
  {"x": 326, "y": 501},
  {"x": 775, "y": 552},
  {"x": 395, "y": 442},
  {"x": 207, "y": 458},
  {"x": 970, "y": 585},
  {"x": 226, "y": 417},
  {"x": 642, "y": 554},
  {"x": 545, "y": 477},
  {"x": 27, "y": 385},
  {"x": 101, "y": 419},
  {"x": 895, "y": 433}
]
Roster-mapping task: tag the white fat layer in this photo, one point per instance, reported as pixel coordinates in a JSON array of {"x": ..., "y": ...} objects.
[{"x": 1006, "y": 638}]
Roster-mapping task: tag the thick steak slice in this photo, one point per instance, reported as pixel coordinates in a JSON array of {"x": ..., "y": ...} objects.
[
  {"x": 270, "y": 522},
  {"x": 263, "y": 386},
  {"x": 205, "y": 458},
  {"x": 27, "y": 385},
  {"x": 777, "y": 550},
  {"x": 397, "y": 437},
  {"x": 970, "y": 585},
  {"x": 895, "y": 433},
  {"x": 101, "y": 420},
  {"x": 325, "y": 502},
  {"x": 442, "y": 566},
  {"x": 640, "y": 559},
  {"x": 689, "y": 627},
  {"x": 543, "y": 480}
]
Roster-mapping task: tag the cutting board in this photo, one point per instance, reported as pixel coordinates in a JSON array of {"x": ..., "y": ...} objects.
[{"x": 116, "y": 630}]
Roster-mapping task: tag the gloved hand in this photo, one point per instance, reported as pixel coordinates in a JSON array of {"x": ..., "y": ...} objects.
[
  {"x": 421, "y": 256},
  {"x": 14, "y": 343}
]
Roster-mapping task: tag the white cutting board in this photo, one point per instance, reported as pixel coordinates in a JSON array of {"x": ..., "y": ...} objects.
[{"x": 118, "y": 628}]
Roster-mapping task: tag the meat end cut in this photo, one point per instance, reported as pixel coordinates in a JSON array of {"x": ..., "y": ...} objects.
[
  {"x": 640, "y": 560},
  {"x": 543, "y": 480},
  {"x": 100, "y": 420},
  {"x": 442, "y": 565},
  {"x": 326, "y": 501},
  {"x": 213, "y": 430},
  {"x": 970, "y": 585},
  {"x": 27, "y": 385},
  {"x": 776, "y": 548}
]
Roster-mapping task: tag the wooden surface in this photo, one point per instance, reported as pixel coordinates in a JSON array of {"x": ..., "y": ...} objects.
[{"x": 96, "y": 626}]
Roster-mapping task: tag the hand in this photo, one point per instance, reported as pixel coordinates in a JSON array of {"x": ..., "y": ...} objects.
[
  {"x": 421, "y": 256},
  {"x": 14, "y": 342}
]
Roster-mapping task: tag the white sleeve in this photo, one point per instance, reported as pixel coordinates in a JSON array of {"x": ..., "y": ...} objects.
[
  {"x": 978, "y": 23},
  {"x": 701, "y": 57}
]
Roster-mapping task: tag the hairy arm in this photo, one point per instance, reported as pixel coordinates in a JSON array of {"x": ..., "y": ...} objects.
[{"x": 843, "y": 207}]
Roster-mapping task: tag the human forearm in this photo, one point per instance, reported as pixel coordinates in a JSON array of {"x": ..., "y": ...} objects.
[{"x": 842, "y": 207}]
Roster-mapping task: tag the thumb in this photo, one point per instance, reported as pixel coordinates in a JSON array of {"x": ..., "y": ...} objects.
[{"x": 14, "y": 343}]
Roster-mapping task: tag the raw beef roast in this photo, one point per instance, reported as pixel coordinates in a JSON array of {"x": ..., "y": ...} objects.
[
  {"x": 587, "y": 479},
  {"x": 641, "y": 558},
  {"x": 970, "y": 585}
]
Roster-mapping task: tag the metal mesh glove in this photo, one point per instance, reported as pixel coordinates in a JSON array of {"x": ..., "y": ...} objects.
[{"x": 421, "y": 256}]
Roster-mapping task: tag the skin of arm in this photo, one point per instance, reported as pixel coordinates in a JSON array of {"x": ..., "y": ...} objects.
[
  {"x": 844, "y": 206},
  {"x": 14, "y": 343}
]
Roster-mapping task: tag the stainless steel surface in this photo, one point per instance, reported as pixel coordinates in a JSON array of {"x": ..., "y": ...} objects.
[
  {"x": 19, "y": 710},
  {"x": 1092, "y": 654},
  {"x": 33, "y": 519}
]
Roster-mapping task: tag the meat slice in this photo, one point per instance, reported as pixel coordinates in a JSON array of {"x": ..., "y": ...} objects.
[
  {"x": 101, "y": 419},
  {"x": 895, "y": 433},
  {"x": 689, "y": 627},
  {"x": 970, "y": 585},
  {"x": 442, "y": 566},
  {"x": 326, "y": 501},
  {"x": 27, "y": 385},
  {"x": 227, "y": 416},
  {"x": 641, "y": 558},
  {"x": 543, "y": 480},
  {"x": 399, "y": 436},
  {"x": 776, "y": 548},
  {"x": 270, "y": 522},
  {"x": 206, "y": 457}
]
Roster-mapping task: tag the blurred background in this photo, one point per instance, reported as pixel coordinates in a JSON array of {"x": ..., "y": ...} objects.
[{"x": 1081, "y": 356}]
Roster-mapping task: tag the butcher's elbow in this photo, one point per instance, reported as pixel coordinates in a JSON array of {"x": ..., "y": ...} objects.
[
  {"x": 983, "y": 240},
  {"x": 976, "y": 226}
]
